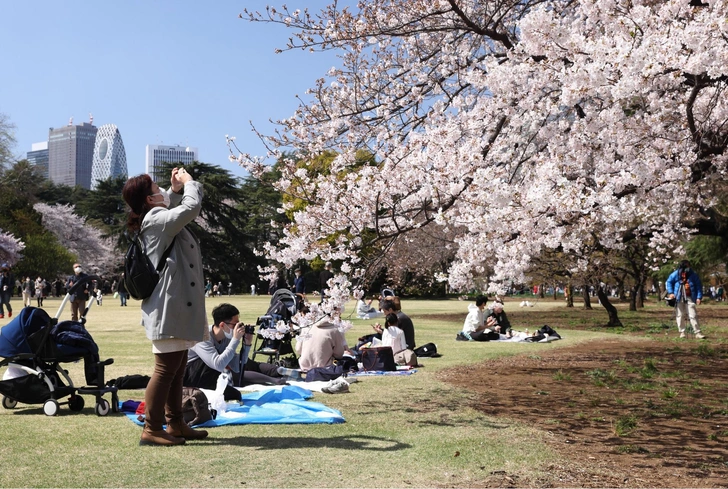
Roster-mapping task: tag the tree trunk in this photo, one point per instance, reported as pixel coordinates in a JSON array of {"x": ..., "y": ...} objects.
[
  {"x": 640, "y": 292},
  {"x": 658, "y": 287},
  {"x": 556, "y": 291},
  {"x": 587, "y": 299},
  {"x": 541, "y": 292},
  {"x": 611, "y": 310},
  {"x": 569, "y": 290},
  {"x": 633, "y": 298}
]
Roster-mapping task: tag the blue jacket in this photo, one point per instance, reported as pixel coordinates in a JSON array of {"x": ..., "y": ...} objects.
[{"x": 673, "y": 285}]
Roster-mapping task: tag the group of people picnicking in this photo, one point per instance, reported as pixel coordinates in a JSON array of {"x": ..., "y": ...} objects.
[
  {"x": 188, "y": 351},
  {"x": 492, "y": 324}
]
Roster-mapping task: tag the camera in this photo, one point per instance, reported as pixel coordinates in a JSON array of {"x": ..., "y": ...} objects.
[{"x": 249, "y": 329}]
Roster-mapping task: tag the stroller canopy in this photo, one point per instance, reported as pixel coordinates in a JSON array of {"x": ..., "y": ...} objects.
[
  {"x": 14, "y": 335},
  {"x": 283, "y": 304}
]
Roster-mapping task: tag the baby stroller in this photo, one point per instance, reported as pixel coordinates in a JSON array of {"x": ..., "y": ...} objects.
[
  {"x": 33, "y": 346},
  {"x": 273, "y": 339}
]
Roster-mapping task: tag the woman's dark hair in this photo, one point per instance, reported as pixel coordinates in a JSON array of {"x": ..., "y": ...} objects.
[
  {"x": 135, "y": 193},
  {"x": 392, "y": 319}
]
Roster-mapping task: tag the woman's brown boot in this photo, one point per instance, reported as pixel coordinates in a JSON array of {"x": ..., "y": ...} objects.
[
  {"x": 179, "y": 428},
  {"x": 159, "y": 437}
]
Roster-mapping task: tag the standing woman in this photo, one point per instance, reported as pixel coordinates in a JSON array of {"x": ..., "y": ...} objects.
[
  {"x": 27, "y": 291},
  {"x": 174, "y": 315},
  {"x": 39, "y": 291}
]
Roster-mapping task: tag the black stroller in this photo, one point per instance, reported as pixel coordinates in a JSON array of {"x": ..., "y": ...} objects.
[
  {"x": 33, "y": 346},
  {"x": 276, "y": 330}
]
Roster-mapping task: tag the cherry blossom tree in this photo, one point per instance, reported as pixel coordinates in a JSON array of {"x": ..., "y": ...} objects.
[
  {"x": 10, "y": 248},
  {"x": 512, "y": 125},
  {"x": 98, "y": 254}
]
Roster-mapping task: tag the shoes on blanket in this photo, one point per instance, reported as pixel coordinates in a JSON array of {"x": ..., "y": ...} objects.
[{"x": 336, "y": 386}]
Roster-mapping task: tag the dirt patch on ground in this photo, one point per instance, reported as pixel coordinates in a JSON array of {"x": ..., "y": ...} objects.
[{"x": 627, "y": 414}]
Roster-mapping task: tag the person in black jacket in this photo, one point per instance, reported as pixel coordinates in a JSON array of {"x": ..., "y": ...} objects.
[
  {"x": 121, "y": 289},
  {"x": 78, "y": 302}
]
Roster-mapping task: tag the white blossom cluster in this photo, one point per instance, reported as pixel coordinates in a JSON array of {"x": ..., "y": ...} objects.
[
  {"x": 10, "y": 248},
  {"x": 516, "y": 126},
  {"x": 278, "y": 332},
  {"x": 97, "y": 253}
]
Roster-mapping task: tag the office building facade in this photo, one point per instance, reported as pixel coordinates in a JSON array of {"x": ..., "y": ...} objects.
[
  {"x": 109, "y": 156},
  {"x": 157, "y": 155},
  {"x": 70, "y": 154},
  {"x": 38, "y": 157}
]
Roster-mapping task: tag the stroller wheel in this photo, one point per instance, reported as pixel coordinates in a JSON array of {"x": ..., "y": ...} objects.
[
  {"x": 76, "y": 403},
  {"x": 50, "y": 408},
  {"x": 9, "y": 403},
  {"x": 103, "y": 407}
]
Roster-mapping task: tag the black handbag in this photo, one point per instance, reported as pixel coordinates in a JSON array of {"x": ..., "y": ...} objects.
[{"x": 379, "y": 358}]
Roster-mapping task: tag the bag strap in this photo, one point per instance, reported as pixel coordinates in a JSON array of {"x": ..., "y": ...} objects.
[{"x": 165, "y": 255}]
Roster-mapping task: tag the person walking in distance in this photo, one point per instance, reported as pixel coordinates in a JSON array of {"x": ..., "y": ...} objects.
[
  {"x": 78, "y": 301},
  {"x": 684, "y": 286}
]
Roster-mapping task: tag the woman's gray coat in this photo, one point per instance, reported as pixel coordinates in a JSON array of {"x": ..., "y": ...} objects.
[{"x": 176, "y": 308}]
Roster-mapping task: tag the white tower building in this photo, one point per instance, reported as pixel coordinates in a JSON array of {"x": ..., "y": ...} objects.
[{"x": 109, "y": 155}]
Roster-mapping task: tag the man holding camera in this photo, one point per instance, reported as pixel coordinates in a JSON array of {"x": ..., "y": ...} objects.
[
  {"x": 684, "y": 286},
  {"x": 208, "y": 359}
]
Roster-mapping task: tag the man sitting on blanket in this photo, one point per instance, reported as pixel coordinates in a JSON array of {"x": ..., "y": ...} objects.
[
  {"x": 493, "y": 324},
  {"x": 208, "y": 359}
]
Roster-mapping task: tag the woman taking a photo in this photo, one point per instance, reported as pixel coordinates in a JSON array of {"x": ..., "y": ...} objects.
[{"x": 174, "y": 315}]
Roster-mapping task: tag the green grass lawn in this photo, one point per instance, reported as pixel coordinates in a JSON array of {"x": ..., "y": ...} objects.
[{"x": 399, "y": 431}]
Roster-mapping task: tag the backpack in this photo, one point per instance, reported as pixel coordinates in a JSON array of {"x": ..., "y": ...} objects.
[
  {"x": 140, "y": 275},
  {"x": 195, "y": 407},
  {"x": 427, "y": 350}
]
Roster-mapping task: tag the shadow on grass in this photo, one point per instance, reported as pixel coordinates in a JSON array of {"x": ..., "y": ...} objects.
[{"x": 351, "y": 442}]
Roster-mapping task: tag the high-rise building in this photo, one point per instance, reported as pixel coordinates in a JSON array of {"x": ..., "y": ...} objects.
[
  {"x": 109, "y": 159},
  {"x": 159, "y": 154},
  {"x": 38, "y": 156},
  {"x": 71, "y": 154}
]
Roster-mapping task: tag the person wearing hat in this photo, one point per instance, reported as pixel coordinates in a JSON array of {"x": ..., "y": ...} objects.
[{"x": 78, "y": 300}]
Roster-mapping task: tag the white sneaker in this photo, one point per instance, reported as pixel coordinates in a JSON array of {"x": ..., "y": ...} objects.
[
  {"x": 700, "y": 336},
  {"x": 336, "y": 386},
  {"x": 682, "y": 335}
]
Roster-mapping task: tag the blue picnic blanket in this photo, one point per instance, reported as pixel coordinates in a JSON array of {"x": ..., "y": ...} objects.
[{"x": 285, "y": 404}]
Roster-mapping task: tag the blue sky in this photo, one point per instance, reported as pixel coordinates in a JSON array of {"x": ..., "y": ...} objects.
[{"x": 165, "y": 72}]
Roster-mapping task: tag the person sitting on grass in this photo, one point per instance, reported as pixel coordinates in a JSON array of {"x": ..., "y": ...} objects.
[
  {"x": 394, "y": 337},
  {"x": 208, "y": 359},
  {"x": 365, "y": 310},
  {"x": 475, "y": 320},
  {"x": 495, "y": 324},
  {"x": 394, "y": 305},
  {"x": 321, "y": 345}
]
